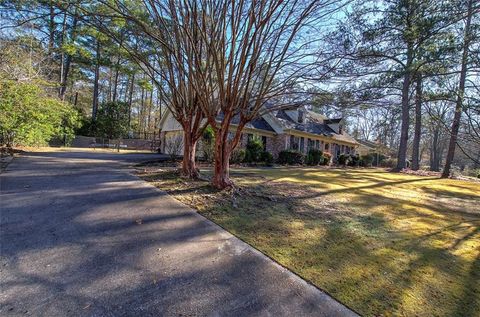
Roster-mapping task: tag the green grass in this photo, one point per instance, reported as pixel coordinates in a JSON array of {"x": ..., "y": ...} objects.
[{"x": 381, "y": 243}]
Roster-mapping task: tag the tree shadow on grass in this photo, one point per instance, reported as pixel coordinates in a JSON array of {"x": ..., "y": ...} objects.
[{"x": 360, "y": 255}]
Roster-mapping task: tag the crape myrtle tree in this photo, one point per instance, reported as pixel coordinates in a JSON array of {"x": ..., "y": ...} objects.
[
  {"x": 253, "y": 57},
  {"x": 153, "y": 37},
  {"x": 216, "y": 58}
]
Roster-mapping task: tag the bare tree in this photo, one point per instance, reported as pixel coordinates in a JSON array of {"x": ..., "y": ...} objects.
[
  {"x": 251, "y": 58},
  {"x": 164, "y": 48}
]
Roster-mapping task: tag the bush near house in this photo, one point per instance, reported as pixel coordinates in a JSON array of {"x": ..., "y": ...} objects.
[
  {"x": 344, "y": 159},
  {"x": 378, "y": 159},
  {"x": 366, "y": 160},
  {"x": 290, "y": 157},
  {"x": 314, "y": 157},
  {"x": 354, "y": 160},
  {"x": 389, "y": 163},
  {"x": 208, "y": 144},
  {"x": 267, "y": 158},
  {"x": 326, "y": 158},
  {"x": 253, "y": 151},
  {"x": 237, "y": 156}
]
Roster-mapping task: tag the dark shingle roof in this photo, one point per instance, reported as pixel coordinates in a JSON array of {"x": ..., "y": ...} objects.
[
  {"x": 258, "y": 123},
  {"x": 313, "y": 125},
  {"x": 330, "y": 121}
]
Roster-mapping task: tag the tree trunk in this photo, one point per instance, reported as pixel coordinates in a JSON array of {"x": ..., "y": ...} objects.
[
  {"x": 130, "y": 97},
  {"x": 189, "y": 168},
  {"x": 51, "y": 31},
  {"x": 95, "y": 83},
  {"x": 460, "y": 95},
  {"x": 402, "y": 150},
  {"x": 141, "y": 112},
  {"x": 68, "y": 60},
  {"x": 418, "y": 124},
  {"x": 115, "y": 83},
  {"x": 434, "y": 155},
  {"x": 221, "y": 176}
]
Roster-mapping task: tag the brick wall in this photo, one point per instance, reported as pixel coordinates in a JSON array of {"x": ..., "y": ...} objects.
[{"x": 276, "y": 144}]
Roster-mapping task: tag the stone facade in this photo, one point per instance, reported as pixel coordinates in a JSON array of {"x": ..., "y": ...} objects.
[{"x": 277, "y": 143}]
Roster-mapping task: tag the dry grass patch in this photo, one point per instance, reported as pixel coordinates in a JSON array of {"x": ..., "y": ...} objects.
[{"x": 382, "y": 243}]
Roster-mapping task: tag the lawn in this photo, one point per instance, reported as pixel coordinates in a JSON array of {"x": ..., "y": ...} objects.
[{"x": 382, "y": 243}]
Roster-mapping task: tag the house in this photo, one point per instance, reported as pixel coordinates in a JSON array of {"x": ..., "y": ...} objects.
[
  {"x": 297, "y": 129},
  {"x": 368, "y": 147}
]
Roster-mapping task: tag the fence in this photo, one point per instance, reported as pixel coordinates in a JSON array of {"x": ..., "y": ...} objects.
[{"x": 131, "y": 144}]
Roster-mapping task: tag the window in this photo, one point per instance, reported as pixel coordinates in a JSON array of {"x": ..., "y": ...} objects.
[
  {"x": 327, "y": 147},
  {"x": 302, "y": 144},
  {"x": 264, "y": 142},
  {"x": 317, "y": 144},
  {"x": 249, "y": 137},
  {"x": 293, "y": 143},
  {"x": 310, "y": 144}
]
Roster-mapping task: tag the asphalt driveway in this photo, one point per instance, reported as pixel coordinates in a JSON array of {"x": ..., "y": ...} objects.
[{"x": 81, "y": 236}]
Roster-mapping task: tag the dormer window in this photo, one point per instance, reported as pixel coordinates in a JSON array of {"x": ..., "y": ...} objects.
[{"x": 340, "y": 129}]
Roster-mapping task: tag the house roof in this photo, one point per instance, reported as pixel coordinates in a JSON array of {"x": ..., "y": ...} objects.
[
  {"x": 278, "y": 120},
  {"x": 367, "y": 143},
  {"x": 313, "y": 123},
  {"x": 257, "y": 123},
  {"x": 332, "y": 121}
]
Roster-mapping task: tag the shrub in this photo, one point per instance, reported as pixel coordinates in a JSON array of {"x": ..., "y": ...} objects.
[
  {"x": 326, "y": 158},
  {"x": 290, "y": 157},
  {"x": 237, "y": 156},
  {"x": 366, "y": 160},
  {"x": 173, "y": 146},
  {"x": 314, "y": 157},
  {"x": 29, "y": 117},
  {"x": 208, "y": 144},
  {"x": 343, "y": 159},
  {"x": 112, "y": 120},
  {"x": 390, "y": 163},
  {"x": 267, "y": 158},
  {"x": 253, "y": 151},
  {"x": 354, "y": 160},
  {"x": 378, "y": 159}
]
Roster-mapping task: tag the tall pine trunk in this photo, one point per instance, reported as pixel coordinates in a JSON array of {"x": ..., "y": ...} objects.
[
  {"x": 68, "y": 59},
  {"x": 51, "y": 31},
  {"x": 434, "y": 151},
  {"x": 460, "y": 94},
  {"x": 402, "y": 149},
  {"x": 130, "y": 99},
  {"x": 418, "y": 124},
  {"x": 95, "y": 83}
]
